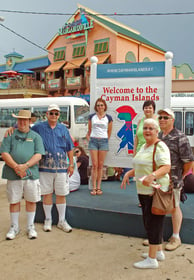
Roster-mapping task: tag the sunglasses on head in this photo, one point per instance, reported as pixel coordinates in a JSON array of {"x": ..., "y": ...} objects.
[
  {"x": 52, "y": 113},
  {"x": 164, "y": 117}
]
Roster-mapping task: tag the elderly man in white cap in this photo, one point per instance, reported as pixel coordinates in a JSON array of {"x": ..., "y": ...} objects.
[
  {"x": 181, "y": 162},
  {"x": 21, "y": 152},
  {"x": 54, "y": 170}
]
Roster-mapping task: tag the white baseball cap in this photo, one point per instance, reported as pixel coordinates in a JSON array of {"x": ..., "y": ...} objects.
[
  {"x": 53, "y": 107},
  {"x": 168, "y": 111}
]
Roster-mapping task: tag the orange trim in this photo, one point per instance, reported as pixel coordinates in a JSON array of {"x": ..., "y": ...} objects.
[
  {"x": 75, "y": 63},
  {"x": 55, "y": 66},
  {"x": 101, "y": 59}
]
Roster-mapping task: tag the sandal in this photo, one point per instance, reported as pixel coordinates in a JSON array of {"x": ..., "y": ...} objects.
[
  {"x": 99, "y": 192},
  {"x": 93, "y": 192}
]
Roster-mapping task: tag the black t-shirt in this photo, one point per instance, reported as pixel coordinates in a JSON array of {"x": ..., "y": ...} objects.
[{"x": 84, "y": 160}]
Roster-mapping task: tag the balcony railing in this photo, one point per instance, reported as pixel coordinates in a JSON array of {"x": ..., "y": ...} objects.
[
  {"x": 21, "y": 84},
  {"x": 78, "y": 82},
  {"x": 75, "y": 82}
]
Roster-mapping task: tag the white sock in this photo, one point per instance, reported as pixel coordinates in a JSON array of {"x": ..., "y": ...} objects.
[
  {"x": 151, "y": 259},
  {"x": 159, "y": 253},
  {"x": 30, "y": 218},
  {"x": 47, "y": 211},
  {"x": 176, "y": 235},
  {"x": 61, "y": 211},
  {"x": 15, "y": 218}
]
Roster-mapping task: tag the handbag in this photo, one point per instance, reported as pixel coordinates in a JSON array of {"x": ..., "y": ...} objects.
[{"x": 163, "y": 202}]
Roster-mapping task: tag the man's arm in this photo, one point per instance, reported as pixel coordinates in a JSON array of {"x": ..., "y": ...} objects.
[
  {"x": 71, "y": 165},
  {"x": 20, "y": 169},
  {"x": 186, "y": 167}
]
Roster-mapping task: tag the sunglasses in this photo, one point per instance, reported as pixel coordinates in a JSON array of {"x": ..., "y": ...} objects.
[
  {"x": 20, "y": 138},
  {"x": 100, "y": 105},
  {"x": 148, "y": 128},
  {"x": 52, "y": 113},
  {"x": 76, "y": 152},
  {"x": 28, "y": 174},
  {"x": 164, "y": 117}
]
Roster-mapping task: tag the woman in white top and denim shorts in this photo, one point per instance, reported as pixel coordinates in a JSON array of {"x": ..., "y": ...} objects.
[{"x": 99, "y": 131}]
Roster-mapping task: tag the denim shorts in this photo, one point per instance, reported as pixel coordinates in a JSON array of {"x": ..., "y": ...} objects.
[{"x": 100, "y": 144}]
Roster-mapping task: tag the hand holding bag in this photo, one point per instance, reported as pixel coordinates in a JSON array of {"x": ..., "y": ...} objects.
[{"x": 163, "y": 202}]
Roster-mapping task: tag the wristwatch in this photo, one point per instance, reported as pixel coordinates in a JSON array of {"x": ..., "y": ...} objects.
[{"x": 154, "y": 174}]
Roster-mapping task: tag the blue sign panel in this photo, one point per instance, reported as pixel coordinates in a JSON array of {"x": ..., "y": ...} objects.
[{"x": 133, "y": 70}]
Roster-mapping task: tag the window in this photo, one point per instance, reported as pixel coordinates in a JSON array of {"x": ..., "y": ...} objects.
[
  {"x": 6, "y": 119},
  {"x": 64, "y": 113},
  {"x": 146, "y": 59},
  {"x": 189, "y": 123},
  {"x": 101, "y": 47},
  {"x": 59, "y": 54},
  {"x": 178, "y": 120},
  {"x": 81, "y": 114},
  {"x": 79, "y": 51},
  {"x": 130, "y": 57}
]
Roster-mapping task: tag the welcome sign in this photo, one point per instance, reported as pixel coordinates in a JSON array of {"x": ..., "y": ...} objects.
[{"x": 125, "y": 87}]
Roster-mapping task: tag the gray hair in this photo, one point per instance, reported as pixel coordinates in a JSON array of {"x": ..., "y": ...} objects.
[{"x": 153, "y": 122}]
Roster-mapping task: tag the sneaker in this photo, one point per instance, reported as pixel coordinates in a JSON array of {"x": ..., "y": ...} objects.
[
  {"x": 64, "y": 226},
  {"x": 14, "y": 230},
  {"x": 32, "y": 234},
  {"x": 145, "y": 242},
  {"x": 159, "y": 256},
  {"x": 47, "y": 225},
  {"x": 173, "y": 244},
  {"x": 147, "y": 263}
]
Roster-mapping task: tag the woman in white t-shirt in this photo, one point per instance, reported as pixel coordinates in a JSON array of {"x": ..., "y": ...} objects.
[{"x": 99, "y": 132}]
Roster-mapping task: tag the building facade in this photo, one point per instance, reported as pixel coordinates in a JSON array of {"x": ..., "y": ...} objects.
[
  {"x": 87, "y": 34},
  {"x": 66, "y": 68}
]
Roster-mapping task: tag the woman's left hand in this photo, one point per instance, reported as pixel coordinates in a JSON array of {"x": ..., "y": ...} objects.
[
  {"x": 125, "y": 181},
  {"x": 148, "y": 180}
]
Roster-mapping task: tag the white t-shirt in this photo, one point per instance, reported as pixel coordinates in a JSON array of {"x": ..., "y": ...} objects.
[{"x": 99, "y": 126}]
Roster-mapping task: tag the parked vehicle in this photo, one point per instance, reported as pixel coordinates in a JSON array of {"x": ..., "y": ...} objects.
[
  {"x": 183, "y": 108},
  {"x": 74, "y": 112}
]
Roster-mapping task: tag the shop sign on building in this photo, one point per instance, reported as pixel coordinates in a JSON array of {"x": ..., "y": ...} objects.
[
  {"x": 82, "y": 24},
  {"x": 76, "y": 81},
  {"x": 53, "y": 83}
]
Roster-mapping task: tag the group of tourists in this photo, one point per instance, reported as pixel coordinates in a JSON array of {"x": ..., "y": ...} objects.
[{"x": 39, "y": 161}]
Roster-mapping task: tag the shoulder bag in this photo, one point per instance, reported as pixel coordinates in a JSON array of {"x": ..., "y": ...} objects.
[{"x": 163, "y": 202}]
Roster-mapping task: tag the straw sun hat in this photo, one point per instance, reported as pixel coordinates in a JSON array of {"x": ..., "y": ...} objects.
[{"x": 23, "y": 114}]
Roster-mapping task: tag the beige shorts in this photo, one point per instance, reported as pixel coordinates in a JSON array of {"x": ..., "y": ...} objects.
[
  {"x": 30, "y": 189},
  {"x": 177, "y": 194},
  {"x": 54, "y": 182}
]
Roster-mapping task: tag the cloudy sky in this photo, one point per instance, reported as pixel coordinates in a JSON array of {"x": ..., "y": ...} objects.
[{"x": 170, "y": 32}]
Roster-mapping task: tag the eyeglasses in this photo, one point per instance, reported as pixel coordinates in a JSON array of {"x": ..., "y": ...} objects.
[
  {"x": 100, "y": 105},
  {"x": 76, "y": 152},
  {"x": 164, "y": 117},
  {"x": 52, "y": 113},
  {"x": 20, "y": 138},
  {"x": 148, "y": 128}
]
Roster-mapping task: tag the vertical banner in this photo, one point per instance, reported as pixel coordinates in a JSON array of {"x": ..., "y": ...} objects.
[{"x": 125, "y": 87}]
